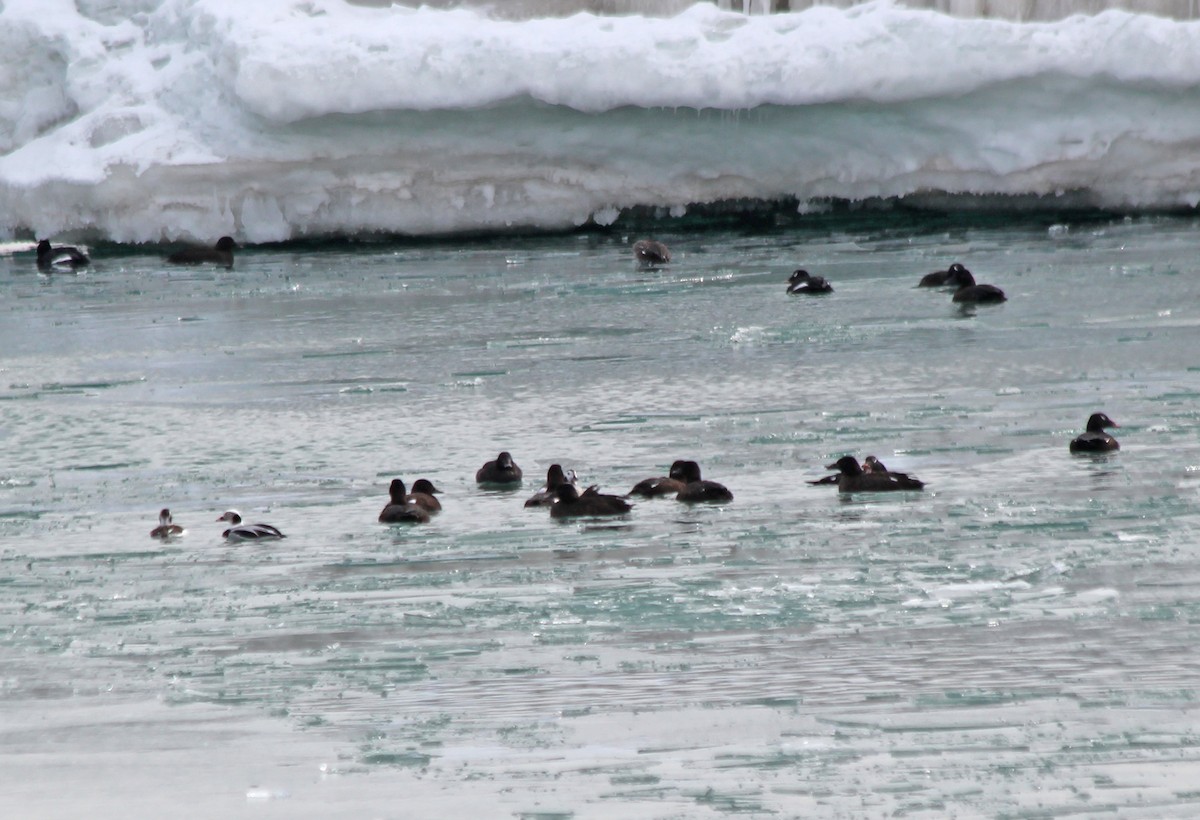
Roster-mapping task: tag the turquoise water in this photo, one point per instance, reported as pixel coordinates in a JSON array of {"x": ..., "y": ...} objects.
[{"x": 1019, "y": 640}]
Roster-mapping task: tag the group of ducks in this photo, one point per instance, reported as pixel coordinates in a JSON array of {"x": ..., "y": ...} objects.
[
  {"x": 562, "y": 495},
  {"x": 650, "y": 252},
  {"x": 966, "y": 291},
  {"x": 52, "y": 258}
]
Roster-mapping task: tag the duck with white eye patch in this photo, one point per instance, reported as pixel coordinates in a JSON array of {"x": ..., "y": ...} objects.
[{"x": 555, "y": 476}]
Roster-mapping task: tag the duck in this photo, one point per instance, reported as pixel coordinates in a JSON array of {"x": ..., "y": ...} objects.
[
  {"x": 853, "y": 479},
  {"x": 424, "y": 495},
  {"x": 503, "y": 470},
  {"x": 651, "y": 252},
  {"x": 554, "y": 477},
  {"x": 50, "y": 256},
  {"x": 403, "y": 507},
  {"x": 870, "y": 465},
  {"x": 941, "y": 278},
  {"x": 166, "y": 528},
  {"x": 695, "y": 489},
  {"x": 1095, "y": 440},
  {"x": 801, "y": 281},
  {"x": 670, "y": 484},
  {"x": 220, "y": 254},
  {"x": 570, "y": 503},
  {"x": 968, "y": 291},
  {"x": 247, "y": 532}
]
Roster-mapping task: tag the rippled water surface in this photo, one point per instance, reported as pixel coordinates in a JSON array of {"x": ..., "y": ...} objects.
[{"x": 1019, "y": 640}]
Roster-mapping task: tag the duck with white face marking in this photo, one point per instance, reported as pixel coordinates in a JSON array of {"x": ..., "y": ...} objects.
[
  {"x": 555, "y": 476},
  {"x": 241, "y": 531}
]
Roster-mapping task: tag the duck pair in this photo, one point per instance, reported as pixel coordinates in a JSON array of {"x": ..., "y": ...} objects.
[
  {"x": 240, "y": 531},
  {"x": 561, "y": 494},
  {"x": 410, "y": 508},
  {"x": 220, "y": 254},
  {"x": 683, "y": 481},
  {"x": 966, "y": 290}
]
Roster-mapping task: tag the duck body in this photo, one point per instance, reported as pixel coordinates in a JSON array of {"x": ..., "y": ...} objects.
[
  {"x": 51, "y": 257},
  {"x": 166, "y": 528},
  {"x": 801, "y": 281},
  {"x": 697, "y": 490},
  {"x": 220, "y": 254},
  {"x": 853, "y": 479},
  {"x": 501, "y": 471},
  {"x": 241, "y": 531},
  {"x": 592, "y": 503},
  {"x": 941, "y": 278},
  {"x": 1095, "y": 440},
  {"x": 651, "y": 252},
  {"x": 969, "y": 292},
  {"x": 555, "y": 477},
  {"x": 670, "y": 484},
  {"x": 404, "y": 508}
]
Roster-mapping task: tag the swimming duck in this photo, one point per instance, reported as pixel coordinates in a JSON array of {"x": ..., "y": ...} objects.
[
  {"x": 554, "y": 477},
  {"x": 870, "y": 465},
  {"x": 941, "y": 278},
  {"x": 801, "y": 281},
  {"x": 247, "y": 532},
  {"x": 1095, "y": 440},
  {"x": 166, "y": 529},
  {"x": 696, "y": 489},
  {"x": 220, "y": 254},
  {"x": 968, "y": 291},
  {"x": 853, "y": 479},
  {"x": 670, "y": 484},
  {"x": 403, "y": 508},
  {"x": 650, "y": 252},
  {"x": 50, "y": 256},
  {"x": 423, "y": 495},
  {"x": 570, "y": 504},
  {"x": 503, "y": 470}
]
